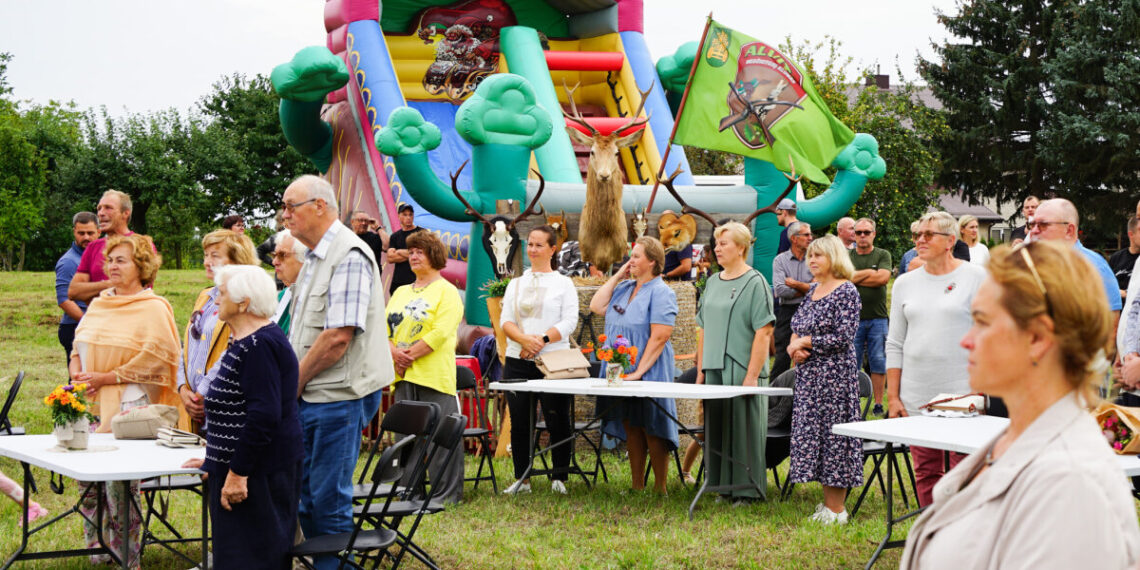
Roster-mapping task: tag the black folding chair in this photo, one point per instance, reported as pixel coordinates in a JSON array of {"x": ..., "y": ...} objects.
[
  {"x": 778, "y": 445},
  {"x": 876, "y": 452},
  {"x": 415, "y": 419},
  {"x": 447, "y": 440},
  {"x": 6, "y": 427},
  {"x": 156, "y": 498},
  {"x": 465, "y": 383}
]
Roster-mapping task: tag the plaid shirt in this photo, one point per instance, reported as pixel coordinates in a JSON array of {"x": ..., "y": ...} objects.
[{"x": 350, "y": 288}]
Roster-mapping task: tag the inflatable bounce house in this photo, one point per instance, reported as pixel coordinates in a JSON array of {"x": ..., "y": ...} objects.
[{"x": 406, "y": 93}]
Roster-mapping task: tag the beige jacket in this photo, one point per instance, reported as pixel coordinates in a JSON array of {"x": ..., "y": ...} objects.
[{"x": 1056, "y": 499}]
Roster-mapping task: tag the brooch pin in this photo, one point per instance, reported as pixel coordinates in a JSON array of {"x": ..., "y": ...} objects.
[{"x": 950, "y": 288}]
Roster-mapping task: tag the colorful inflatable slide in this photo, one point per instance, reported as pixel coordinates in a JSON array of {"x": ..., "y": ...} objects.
[{"x": 431, "y": 55}]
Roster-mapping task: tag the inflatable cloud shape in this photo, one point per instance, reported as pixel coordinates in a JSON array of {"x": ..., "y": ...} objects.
[
  {"x": 503, "y": 111},
  {"x": 862, "y": 157},
  {"x": 311, "y": 75},
  {"x": 674, "y": 69},
  {"x": 407, "y": 133}
]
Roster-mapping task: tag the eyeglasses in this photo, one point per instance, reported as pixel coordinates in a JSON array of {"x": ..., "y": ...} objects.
[
  {"x": 863, "y": 232},
  {"x": 807, "y": 235},
  {"x": 1042, "y": 225},
  {"x": 928, "y": 235},
  {"x": 281, "y": 255},
  {"x": 293, "y": 207},
  {"x": 620, "y": 310},
  {"x": 196, "y": 325}
]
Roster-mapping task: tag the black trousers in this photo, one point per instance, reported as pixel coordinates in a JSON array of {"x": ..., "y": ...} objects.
[
  {"x": 258, "y": 532},
  {"x": 783, "y": 337},
  {"x": 555, "y": 410},
  {"x": 66, "y": 336}
]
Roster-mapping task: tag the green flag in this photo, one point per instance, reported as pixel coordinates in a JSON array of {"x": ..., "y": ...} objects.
[{"x": 747, "y": 98}]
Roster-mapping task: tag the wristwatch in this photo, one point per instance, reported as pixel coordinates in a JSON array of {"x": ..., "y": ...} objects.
[{"x": 546, "y": 339}]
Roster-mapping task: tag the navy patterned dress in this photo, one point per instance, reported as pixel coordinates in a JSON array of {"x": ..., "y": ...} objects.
[{"x": 827, "y": 391}]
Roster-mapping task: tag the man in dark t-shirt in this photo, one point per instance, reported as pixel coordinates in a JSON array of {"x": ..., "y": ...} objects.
[
  {"x": 679, "y": 264},
  {"x": 369, "y": 231},
  {"x": 1124, "y": 260},
  {"x": 398, "y": 248},
  {"x": 872, "y": 273}
]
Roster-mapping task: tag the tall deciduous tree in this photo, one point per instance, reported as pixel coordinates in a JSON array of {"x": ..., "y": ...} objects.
[{"x": 252, "y": 163}]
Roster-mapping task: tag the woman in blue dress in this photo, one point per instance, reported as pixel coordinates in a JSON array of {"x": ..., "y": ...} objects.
[{"x": 639, "y": 306}]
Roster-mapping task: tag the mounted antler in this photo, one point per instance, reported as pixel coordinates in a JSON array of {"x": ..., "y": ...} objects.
[
  {"x": 685, "y": 208},
  {"x": 634, "y": 120},
  {"x": 455, "y": 189},
  {"x": 576, "y": 116},
  {"x": 793, "y": 179},
  {"x": 530, "y": 211}
]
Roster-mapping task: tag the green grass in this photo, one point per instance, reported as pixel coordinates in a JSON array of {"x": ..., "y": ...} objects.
[{"x": 608, "y": 526}]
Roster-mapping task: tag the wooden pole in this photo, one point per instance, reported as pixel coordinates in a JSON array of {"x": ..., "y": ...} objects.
[{"x": 680, "y": 109}]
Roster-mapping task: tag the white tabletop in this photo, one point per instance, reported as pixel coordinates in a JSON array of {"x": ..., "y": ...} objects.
[
  {"x": 964, "y": 435},
  {"x": 638, "y": 389},
  {"x": 132, "y": 458}
]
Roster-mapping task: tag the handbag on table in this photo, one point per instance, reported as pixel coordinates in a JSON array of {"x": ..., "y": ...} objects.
[
  {"x": 563, "y": 364},
  {"x": 143, "y": 422}
]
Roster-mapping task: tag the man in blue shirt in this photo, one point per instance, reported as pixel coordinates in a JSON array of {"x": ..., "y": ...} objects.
[
  {"x": 85, "y": 228},
  {"x": 1057, "y": 219}
]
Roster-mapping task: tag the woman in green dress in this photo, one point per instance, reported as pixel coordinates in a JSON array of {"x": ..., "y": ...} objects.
[{"x": 736, "y": 319}]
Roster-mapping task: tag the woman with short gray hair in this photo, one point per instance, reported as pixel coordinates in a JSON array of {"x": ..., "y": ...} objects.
[{"x": 253, "y": 446}]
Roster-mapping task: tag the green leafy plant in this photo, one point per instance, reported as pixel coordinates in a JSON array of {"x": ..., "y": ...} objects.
[{"x": 496, "y": 287}]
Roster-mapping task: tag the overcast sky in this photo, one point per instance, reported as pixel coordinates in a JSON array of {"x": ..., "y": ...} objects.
[{"x": 144, "y": 55}]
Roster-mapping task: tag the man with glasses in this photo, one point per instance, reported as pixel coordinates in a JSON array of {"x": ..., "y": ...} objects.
[
  {"x": 872, "y": 273},
  {"x": 369, "y": 231},
  {"x": 1057, "y": 219},
  {"x": 398, "y": 248},
  {"x": 338, "y": 332},
  {"x": 1028, "y": 211},
  {"x": 791, "y": 280}
]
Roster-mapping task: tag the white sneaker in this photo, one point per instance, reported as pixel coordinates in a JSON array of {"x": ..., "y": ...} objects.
[
  {"x": 825, "y": 516},
  {"x": 517, "y": 487},
  {"x": 558, "y": 487}
]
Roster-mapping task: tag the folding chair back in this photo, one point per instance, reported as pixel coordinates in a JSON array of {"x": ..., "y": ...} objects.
[
  {"x": 465, "y": 382},
  {"x": 865, "y": 392},
  {"x": 5, "y": 423}
]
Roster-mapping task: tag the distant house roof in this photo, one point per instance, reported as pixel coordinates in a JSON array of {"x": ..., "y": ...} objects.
[{"x": 955, "y": 206}]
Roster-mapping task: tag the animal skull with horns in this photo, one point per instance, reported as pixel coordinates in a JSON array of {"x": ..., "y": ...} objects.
[{"x": 500, "y": 239}]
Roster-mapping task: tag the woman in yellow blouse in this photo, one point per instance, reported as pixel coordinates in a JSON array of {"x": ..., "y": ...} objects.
[{"x": 423, "y": 318}]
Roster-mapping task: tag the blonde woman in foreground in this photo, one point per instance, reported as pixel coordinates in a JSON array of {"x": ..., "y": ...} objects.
[{"x": 1047, "y": 492}]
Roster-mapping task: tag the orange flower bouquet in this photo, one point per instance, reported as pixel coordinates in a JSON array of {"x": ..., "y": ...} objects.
[
  {"x": 69, "y": 414},
  {"x": 619, "y": 356}
]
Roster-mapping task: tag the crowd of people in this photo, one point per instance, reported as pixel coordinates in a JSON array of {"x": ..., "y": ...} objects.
[{"x": 281, "y": 378}]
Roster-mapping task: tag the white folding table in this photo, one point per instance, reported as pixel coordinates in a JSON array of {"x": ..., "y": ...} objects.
[
  {"x": 121, "y": 462},
  {"x": 962, "y": 435},
  {"x": 641, "y": 389}
]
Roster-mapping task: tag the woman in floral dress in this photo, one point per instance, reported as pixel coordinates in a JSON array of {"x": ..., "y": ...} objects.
[{"x": 826, "y": 390}]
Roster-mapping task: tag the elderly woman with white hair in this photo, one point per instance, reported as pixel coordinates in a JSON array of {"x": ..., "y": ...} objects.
[
  {"x": 736, "y": 320},
  {"x": 930, "y": 310},
  {"x": 253, "y": 447}
]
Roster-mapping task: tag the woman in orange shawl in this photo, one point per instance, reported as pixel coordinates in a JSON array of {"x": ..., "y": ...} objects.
[{"x": 126, "y": 349}]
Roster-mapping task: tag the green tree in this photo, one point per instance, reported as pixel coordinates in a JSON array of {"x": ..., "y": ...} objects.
[
  {"x": 249, "y": 163},
  {"x": 23, "y": 176},
  {"x": 54, "y": 129},
  {"x": 996, "y": 92},
  {"x": 906, "y": 129},
  {"x": 1092, "y": 137}
]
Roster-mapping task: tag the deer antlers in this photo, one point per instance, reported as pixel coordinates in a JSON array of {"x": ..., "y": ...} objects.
[
  {"x": 793, "y": 179},
  {"x": 576, "y": 117},
  {"x": 470, "y": 211},
  {"x": 530, "y": 211}
]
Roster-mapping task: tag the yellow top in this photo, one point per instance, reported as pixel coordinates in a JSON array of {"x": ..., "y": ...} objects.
[{"x": 431, "y": 314}]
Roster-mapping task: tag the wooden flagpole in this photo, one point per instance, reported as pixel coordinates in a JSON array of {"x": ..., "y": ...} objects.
[{"x": 680, "y": 109}]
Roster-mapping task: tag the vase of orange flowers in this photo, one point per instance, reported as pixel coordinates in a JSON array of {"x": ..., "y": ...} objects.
[
  {"x": 69, "y": 415},
  {"x": 619, "y": 356}
]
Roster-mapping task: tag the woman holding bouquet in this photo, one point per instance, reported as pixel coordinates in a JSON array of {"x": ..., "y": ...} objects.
[
  {"x": 1046, "y": 492},
  {"x": 640, "y": 310}
]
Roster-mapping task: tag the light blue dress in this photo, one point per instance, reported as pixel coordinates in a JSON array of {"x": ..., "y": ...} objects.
[{"x": 654, "y": 304}]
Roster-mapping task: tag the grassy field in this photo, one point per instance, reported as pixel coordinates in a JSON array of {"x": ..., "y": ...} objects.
[{"x": 608, "y": 526}]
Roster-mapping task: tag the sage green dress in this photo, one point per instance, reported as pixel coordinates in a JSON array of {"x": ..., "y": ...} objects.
[{"x": 731, "y": 312}]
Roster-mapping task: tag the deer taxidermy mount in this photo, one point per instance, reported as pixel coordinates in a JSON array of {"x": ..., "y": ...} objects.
[
  {"x": 676, "y": 232},
  {"x": 561, "y": 231}
]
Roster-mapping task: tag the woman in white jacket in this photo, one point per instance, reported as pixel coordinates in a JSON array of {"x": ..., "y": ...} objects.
[
  {"x": 540, "y": 311},
  {"x": 1047, "y": 492}
]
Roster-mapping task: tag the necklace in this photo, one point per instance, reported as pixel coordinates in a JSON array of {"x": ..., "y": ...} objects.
[{"x": 417, "y": 288}]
